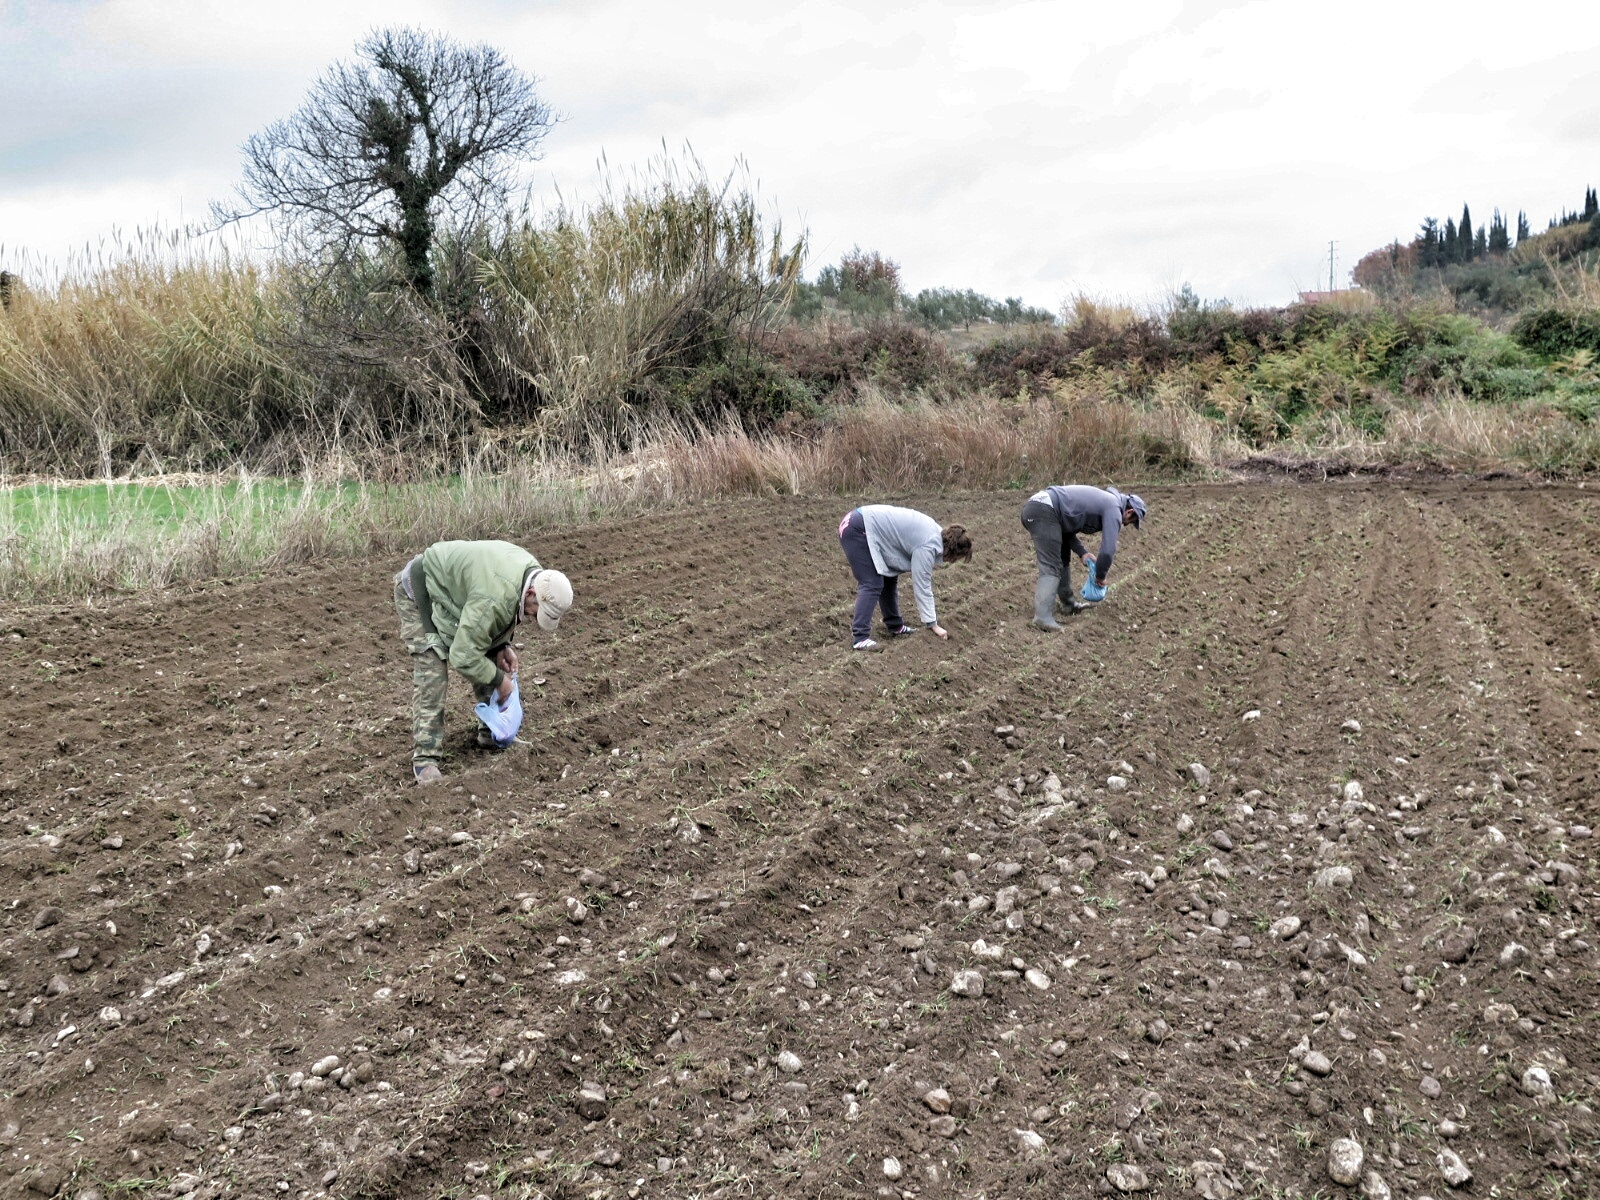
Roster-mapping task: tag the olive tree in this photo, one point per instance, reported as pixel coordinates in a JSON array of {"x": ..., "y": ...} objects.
[{"x": 419, "y": 129}]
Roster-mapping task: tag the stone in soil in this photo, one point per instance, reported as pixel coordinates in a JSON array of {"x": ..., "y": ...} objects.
[
  {"x": 1454, "y": 1169},
  {"x": 1346, "y": 1159},
  {"x": 1127, "y": 1177}
]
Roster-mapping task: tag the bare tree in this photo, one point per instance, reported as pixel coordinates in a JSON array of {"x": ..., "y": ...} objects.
[{"x": 418, "y": 130}]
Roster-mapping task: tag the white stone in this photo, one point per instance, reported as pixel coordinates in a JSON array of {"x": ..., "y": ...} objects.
[
  {"x": 1029, "y": 1142},
  {"x": 1536, "y": 1082},
  {"x": 1514, "y": 953},
  {"x": 1345, "y": 1160},
  {"x": 1284, "y": 928},
  {"x": 1455, "y": 1171},
  {"x": 1373, "y": 1187},
  {"x": 1335, "y": 877},
  {"x": 1354, "y": 792},
  {"x": 967, "y": 983},
  {"x": 1126, "y": 1177},
  {"x": 892, "y": 1168},
  {"x": 1253, "y": 715},
  {"x": 789, "y": 1062}
]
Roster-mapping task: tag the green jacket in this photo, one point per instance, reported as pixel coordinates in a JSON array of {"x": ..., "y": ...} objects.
[{"x": 473, "y": 589}]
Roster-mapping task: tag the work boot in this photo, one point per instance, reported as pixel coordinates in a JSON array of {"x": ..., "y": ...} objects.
[
  {"x": 426, "y": 772},
  {"x": 1068, "y": 606},
  {"x": 1043, "y": 594}
]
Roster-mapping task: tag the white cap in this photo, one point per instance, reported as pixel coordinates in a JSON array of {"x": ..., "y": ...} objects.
[{"x": 554, "y": 591}]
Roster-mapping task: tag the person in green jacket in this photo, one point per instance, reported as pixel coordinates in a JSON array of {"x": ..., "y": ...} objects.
[{"x": 460, "y": 604}]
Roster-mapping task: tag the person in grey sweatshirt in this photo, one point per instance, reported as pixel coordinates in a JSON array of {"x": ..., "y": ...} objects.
[
  {"x": 1054, "y": 518},
  {"x": 881, "y": 543}
]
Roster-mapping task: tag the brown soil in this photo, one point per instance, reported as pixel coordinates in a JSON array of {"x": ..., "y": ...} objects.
[{"x": 214, "y": 872}]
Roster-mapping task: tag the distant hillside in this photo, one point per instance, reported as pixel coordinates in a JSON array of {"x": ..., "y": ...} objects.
[{"x": 1495, "y": 267}]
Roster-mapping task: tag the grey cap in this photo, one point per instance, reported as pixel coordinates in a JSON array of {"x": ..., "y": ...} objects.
[{"x": 1138, "y": 507}]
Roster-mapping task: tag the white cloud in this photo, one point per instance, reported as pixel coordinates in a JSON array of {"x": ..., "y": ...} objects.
[{"x": 1021, "y": 148}]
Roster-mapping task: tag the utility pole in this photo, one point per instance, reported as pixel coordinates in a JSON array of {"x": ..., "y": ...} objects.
[{"x": 1330, "y": 266}]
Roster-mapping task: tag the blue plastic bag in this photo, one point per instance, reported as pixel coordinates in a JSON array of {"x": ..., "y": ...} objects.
[
  {"x": 1093, "y": 592},
  {"x": 502, "y": 720}
]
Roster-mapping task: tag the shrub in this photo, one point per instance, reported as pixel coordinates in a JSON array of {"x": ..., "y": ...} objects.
[
  {"x": 894, "y": 355},
  {"x": 1202, "y": 331},
  {"x": 1449, "y": 351},
  {"x": 1554, "y": 333},
  {"x": 1134, "y": 345},
  {"x": 754, "y": 388}
]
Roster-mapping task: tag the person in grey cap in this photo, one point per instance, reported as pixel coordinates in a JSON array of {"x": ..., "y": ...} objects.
[
  {"x": 1054, "y": 518},
  {"x": 881, "y": 543}
]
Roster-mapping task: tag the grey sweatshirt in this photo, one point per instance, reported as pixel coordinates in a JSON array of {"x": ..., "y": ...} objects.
[
  {"x": 1085, "y": 509},
  {"x": 901, "y": 540}
]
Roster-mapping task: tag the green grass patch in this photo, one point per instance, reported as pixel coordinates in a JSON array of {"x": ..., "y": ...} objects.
[{"x": 73, "y": 539}]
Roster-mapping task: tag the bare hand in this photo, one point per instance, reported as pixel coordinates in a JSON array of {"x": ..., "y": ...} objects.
[
  {"x": 506, "y": 660},
  {"x": 940, "y": 632},
  {"x": 503, "y": 692}
]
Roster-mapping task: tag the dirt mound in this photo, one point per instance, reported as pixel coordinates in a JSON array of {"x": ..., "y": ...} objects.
[{"x": 1286, "y": 843}]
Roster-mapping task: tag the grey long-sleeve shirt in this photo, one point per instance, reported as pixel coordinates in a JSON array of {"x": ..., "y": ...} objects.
[
  {"x": 901, "y": 540},
  {"x": 1085, "y": 509}
]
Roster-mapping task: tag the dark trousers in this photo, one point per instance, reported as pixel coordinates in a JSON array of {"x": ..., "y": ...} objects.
[
  {"x": 871, "y": 588},
  {"x": 1050, "y": 548}
]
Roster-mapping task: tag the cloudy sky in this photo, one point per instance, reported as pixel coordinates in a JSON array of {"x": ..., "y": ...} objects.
[{"x": 1040, "y": 149}]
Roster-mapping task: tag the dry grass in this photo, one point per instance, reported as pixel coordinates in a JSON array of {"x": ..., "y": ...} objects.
[
  {"x": 165, "y": 347},
  {"x": 876, "y": 448},
  {"x": 1453, "y": 434}
]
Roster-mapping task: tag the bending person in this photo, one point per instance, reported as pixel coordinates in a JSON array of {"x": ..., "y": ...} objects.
[
  {"x": 881, "y": 543},
  {"x": 460, "y": 604},
  {"x": 1054, "y": 518}
]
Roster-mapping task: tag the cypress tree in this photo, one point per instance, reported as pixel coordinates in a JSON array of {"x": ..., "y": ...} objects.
[
  {"x": 1448, "y": 251},
  {"x": 1522, "y": 225},
  {"x": 1499, "y": 240},
  {"x": 1591, "y": 205},
  {"x": 1464, "y": 234},
  {"x": 1428, "y": 243}
]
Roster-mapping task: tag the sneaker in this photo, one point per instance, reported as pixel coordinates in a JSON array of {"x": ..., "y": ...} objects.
[
  {"x": 427, "y": 772},
  {"x": 486, "y": 740},
  {"x": 900, "y": 631},
  {"x": 1070, "y": 608},
  {"x": 866, "y": 644}
]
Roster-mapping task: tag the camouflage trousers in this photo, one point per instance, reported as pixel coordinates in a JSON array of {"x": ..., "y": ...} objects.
[{"x": 430, "y": 675}]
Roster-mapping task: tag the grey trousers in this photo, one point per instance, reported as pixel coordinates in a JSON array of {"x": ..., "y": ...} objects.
[{"x": 1050, "y": 548}]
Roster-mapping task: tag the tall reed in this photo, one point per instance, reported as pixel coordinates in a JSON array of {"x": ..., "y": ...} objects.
[{"x": 174, "y": 351}]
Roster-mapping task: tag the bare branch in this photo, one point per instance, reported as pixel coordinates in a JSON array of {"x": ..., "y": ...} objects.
[{"x": 418, "y": 130}]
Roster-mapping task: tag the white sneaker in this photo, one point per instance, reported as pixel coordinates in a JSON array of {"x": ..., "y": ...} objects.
[{"x": 866, "y": 644}]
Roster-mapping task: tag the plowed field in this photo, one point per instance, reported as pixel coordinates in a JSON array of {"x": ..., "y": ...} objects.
[{"x": 1286, "y": 842}]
